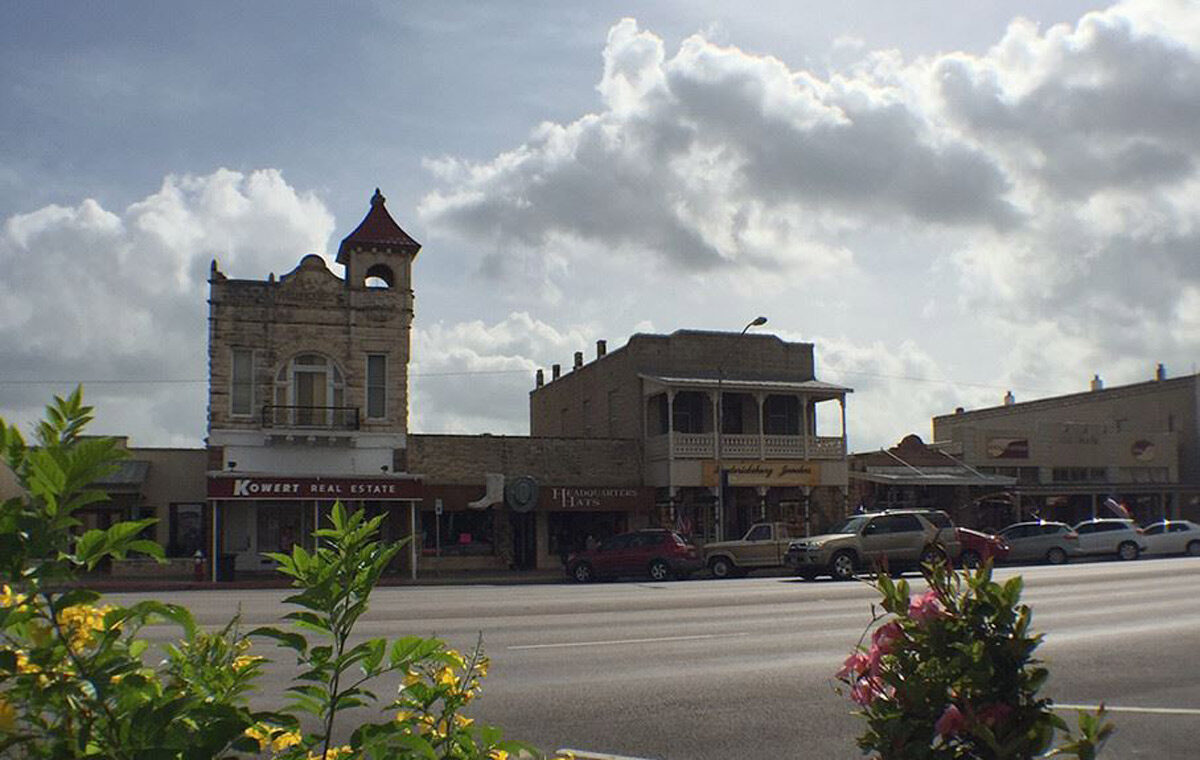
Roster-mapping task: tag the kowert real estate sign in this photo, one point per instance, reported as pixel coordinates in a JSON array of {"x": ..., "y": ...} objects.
[{"x": 308, "y": 489}]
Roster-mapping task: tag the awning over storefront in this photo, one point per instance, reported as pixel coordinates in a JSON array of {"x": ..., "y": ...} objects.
[
  {"x": 964, "y": 478},
  {"x": 325, "y": 488},
  {"x": 127, "y": 475}
]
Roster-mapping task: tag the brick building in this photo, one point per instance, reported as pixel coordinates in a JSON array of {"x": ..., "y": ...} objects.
[
  {"x": 663, "y": 394},
  {"x": 1138, "y": 444}
]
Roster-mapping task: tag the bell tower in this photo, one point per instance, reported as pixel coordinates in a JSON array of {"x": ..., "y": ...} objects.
[{"x": 379, "y": 250}]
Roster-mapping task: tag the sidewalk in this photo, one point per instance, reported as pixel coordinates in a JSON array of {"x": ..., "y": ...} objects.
[{"x": 111, "y": 585}]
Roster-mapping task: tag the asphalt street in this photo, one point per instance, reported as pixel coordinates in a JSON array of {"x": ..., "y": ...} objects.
[{"x": 743, "y": 668}]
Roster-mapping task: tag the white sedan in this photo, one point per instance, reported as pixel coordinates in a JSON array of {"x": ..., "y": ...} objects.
[{"x": 1172, "y": 537}]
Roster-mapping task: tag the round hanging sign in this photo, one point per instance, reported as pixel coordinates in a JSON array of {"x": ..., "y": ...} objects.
[{"x": 521, "y": 493}]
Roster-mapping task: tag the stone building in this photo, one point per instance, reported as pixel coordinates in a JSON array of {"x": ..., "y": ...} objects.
[
  {"x": 663, "y": 393},
  {"x": 1138, "y": 444},
  {"x": 308, "y": 394}
]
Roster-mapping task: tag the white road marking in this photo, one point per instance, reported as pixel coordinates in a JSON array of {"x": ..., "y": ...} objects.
[
  {"x": 583, "y": 754},
  {"x": 1146, "y": 710},
  {"x": 615, "y": 642}
]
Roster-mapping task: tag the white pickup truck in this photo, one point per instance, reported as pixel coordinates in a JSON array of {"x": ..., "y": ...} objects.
[{"x": 764, "y": 545}]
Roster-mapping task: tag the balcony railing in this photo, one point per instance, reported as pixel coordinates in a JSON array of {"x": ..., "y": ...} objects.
[
  {"x": 310, "y": 417},
  {"x": 702, "y": 446}
]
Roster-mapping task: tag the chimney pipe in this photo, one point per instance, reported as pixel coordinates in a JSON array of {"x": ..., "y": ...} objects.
[
  {"x": 578, "y": 360},
  {"x": 1097, "y": 383},
  {"x": 1009, "y": 398},
  {"x": 602, "y": 349},
  {"x": 541, "y": 378},
  {"x": 1160, "y": 372},
  {"x": 555, "y": 371}
]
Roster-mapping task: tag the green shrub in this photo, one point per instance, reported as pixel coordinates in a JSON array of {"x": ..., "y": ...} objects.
[{"x": 951, "y": 673}]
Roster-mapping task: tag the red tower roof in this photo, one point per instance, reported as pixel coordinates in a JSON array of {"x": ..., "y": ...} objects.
[{"x": 378, "y": 230}]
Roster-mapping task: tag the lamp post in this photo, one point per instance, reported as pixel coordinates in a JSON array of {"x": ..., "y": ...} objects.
[{"x": 718, "y": 425}]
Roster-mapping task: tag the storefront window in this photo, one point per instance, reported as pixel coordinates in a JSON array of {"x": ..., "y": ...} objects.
[
  {"x": 280, "y": 527},
  {"x": 187, "y": 530},
  {"x": 458, "y": 534}
]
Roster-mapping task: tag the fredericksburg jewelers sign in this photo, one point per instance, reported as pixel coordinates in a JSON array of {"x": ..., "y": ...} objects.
[{"x": 285, "y": 488}]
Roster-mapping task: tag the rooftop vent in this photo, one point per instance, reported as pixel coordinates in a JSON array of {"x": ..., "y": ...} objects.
[
  {"x": 541, "y": 378},
  {"x": 1009, "y": 398},
  {"x": 1097, "y": 383},
  {"x": 602, "y": 349},
  {"x": 555, "y": 371}
]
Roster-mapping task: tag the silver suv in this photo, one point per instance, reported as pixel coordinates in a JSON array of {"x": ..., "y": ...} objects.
[{"x": 901, "y": 539}]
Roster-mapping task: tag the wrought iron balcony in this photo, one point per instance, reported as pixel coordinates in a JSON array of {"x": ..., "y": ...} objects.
[{"x": 310, "y": 417}]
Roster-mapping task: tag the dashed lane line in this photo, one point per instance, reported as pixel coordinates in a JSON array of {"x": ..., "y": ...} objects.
[
  {"x": 583, "y": 754},
  {"x": 617, "y": 642}
]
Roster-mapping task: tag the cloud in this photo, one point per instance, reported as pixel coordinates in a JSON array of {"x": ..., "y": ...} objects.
[
  {"x": 473, "y": 377},
  {"x": 1043, "y": 195},
  {"x": 88, "y": 294}
]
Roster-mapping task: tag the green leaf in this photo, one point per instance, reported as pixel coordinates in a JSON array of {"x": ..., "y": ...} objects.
[{"x": 294, "y": 641}]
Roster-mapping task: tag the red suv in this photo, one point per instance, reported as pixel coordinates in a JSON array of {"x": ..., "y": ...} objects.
[{"x": 657, "y": 552}]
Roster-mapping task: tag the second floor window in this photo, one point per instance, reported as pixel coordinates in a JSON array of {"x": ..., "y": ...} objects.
[
  {"x": 376, "y": 386},
  {"x": 307, "y": 389},
  {"x": 241, "y": 391}
]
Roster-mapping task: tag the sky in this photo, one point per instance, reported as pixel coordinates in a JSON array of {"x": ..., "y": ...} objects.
[{"x": 948, "y": 200}]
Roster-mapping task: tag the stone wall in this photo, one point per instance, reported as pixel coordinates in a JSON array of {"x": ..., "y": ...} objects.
[{"x": 465, "y": 459}]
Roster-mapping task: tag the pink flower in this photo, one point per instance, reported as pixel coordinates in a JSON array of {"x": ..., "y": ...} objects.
[
  {"x": 994, "y": 714},
  {"x": 951, "y": 722},
  {"x": 926, "y": 607},
  {"x": 867, "y": 690},
  {"x": 855, "y": 665},
  {"x": 886, "y": 637}
]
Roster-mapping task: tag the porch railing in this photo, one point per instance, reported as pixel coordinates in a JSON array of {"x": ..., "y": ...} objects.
[{"x": 702, "y": 446}]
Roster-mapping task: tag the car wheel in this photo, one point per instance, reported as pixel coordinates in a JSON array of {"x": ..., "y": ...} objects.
[
  {"x": 841, "y": 567},
  {"x": 1193, "y": 548},
  {"x": 583, "y": 573},
  {"x": 1127, "y": 550},
  {"x": 721, "y": 567},
  {"x": 1056, "y": 556},
  {"x": 970, "y": 559},
  {"x": 659, "y": 570}
]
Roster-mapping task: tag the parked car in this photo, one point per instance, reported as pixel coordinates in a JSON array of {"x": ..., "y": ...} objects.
[
  {"x": 978, "y": 547},
  {"x": 659, "y": 553},
  {"x": 1172, "y": 537},
  {"x": 1040, "y": 541},
  {"x": 1111, "y": 536},
  {"x": 764, "y": 545},
  {"x": 899, "y": 539}
]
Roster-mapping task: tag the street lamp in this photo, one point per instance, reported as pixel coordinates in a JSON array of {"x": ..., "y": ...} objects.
[{"x": 719, "y": 425}]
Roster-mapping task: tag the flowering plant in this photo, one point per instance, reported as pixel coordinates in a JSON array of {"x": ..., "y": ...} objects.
[
  {"x": 951, "y": 673},
  {"x": 74, "y": 681}
]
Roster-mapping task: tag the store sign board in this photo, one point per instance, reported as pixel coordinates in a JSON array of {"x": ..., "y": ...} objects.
[
  {"x": 285, "y": 488},
  {"x": 1008, "y": 448},
  {"x": 786, "y": 472},
  {"x": 598, "y": 499}
]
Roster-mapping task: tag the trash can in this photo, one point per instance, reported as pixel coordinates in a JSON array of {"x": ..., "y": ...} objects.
[{"x": 227, "y": 568}]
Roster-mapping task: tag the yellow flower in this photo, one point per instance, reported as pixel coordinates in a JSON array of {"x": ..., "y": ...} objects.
[
  {"x": 446, "y": 677},
  {"x": 333, "y": 754},
  {"x": 497, "y": 754},
  {"x": 245, "y": 661},
  {"x": 8, "y": 598},
  {"x": 411, "y": 678},
  {"x": 260, "y": 733},
  {"x": 285, "y": 739},
  {"x": 8, "y": 717},
  {"x": 482, "y": 666},
  {"x": 462, "y": 721}
]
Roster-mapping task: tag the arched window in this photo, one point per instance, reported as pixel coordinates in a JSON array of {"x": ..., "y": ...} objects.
[
  {"x": 310, "y": 392},
  {"x": 380, "y": 276}
]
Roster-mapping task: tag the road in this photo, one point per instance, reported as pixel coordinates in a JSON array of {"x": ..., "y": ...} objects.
[{"x": 742, "y": 668}]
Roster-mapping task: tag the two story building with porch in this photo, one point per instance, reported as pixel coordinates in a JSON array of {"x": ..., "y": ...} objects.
[{"x": 779, "y": 452}]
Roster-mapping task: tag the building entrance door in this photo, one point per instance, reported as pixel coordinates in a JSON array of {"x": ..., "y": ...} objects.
[
  {"x": 524, "y": 534},
  {"x": 311, "y": 397}
]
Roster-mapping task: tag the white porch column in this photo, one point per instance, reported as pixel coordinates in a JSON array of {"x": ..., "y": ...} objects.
[
  {"x": 842, "y": 404},
  {"x": 671, "y": 429},
  {"x": 759, "y": 399},
  {"x": 804, "y": 426}
]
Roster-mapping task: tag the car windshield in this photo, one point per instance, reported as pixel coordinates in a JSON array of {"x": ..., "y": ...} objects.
[{"x": 852, "y": 525}]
